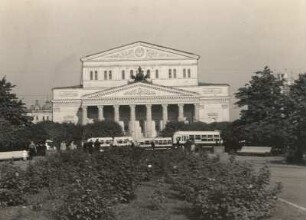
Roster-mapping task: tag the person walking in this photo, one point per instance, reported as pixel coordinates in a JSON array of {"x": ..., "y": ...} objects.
[
  {"x": 63, "y": 146},
  {"x": 153, "y": 145},
  {"x": 97, "y": 145},
  {"x": 32, "y": 150},
  {"x": 90, "y": 147}
]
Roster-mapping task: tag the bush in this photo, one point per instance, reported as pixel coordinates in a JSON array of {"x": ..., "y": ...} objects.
[
  {"x": 225, "y": 190},
  {"x": 12, "y": 186}
]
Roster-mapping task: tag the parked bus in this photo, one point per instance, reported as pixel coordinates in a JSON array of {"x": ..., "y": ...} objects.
[
  {"x": 200, "y": 138},
  {"x": 104, "y": 141},
  {"x": 123, "y": 141},
  {"x": 160, "y": 143}
]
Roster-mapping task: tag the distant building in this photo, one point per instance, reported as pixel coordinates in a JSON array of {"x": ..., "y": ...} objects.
[
  {"x": 288, "y": 80},
  {"x": 141, "y": 86},
  {"x": 40, "y": 113}
]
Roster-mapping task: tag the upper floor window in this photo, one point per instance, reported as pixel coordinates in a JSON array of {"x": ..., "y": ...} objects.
[
  {"x": 96, "y": 75},
  {"x": 174, "y": 73},
  {"x": 110, "y": 75},
  {"x": 184, "y": 73},
  {"x": 170, "y": 73},
  {"x": 105, "y": 75},
  {"x": 123, "y": 74},
  {"x": 156, "y": 74},
  {"x": 148, "y": 73},
  {"x": 91, "y": 75},
  {"x": 189, "y": 73},
  {"x": 131, "y": 73},
  {"x": 43, "y": 118}
]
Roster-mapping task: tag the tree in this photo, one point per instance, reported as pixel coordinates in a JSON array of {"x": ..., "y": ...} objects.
[
  {"x": 297, "y": 117},
  {"x": 12, "y": 109},
  {"x": 12, "y": 116},
  {"x": 263, "y": 109},
  {"x": 102, "y": 129}
]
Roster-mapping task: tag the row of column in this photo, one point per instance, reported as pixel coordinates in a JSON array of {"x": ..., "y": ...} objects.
[{"x": 133, "y": 112}]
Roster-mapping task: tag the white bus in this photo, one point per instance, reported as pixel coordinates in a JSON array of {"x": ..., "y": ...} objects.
[
  {"x": 161, "y": 143},
  {"x": 123, "y": 141},
  {"x": 200, "y": 138},
  {"x": 104, "y": 141}
]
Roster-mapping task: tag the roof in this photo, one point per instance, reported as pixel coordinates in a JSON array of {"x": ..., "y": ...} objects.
[
  {"x": 140, "y": 43},
  {"x": 212, "y": 84},
  {"x": 69, "y": 87}
]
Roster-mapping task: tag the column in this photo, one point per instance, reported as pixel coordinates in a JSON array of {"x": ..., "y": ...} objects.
[
  {"x": 84, "y": 115},
  {"x": 100, "y": 113},
  {"x": 132, "y": 113},
  {"x": 165, "y": 114},
  {"x": 197, "y": 112},
  {"x": 116, "y": 113},
  {"x": 181, "y": 112},
  {"x": 149, "y": 112}
]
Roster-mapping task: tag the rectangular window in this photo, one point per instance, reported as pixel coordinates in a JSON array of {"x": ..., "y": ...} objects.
[
  {"x": 156, "y": 74},
  {"x": 189, "y": 73},
  {"x": 91, "y": 75},
  {"x": 184, "y": 73},
  {"x": 105, "y": 75},
  {"x": 123, "y": 74},
  {"x": 110, "y": 75},
  {"x": 96, "y": 75}
]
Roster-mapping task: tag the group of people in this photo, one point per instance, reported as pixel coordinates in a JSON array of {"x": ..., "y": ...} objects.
[
  {"x": 188, "y": 146},
  {"x": 36, "y": 149}
]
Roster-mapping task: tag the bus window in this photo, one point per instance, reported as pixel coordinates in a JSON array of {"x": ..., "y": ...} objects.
[
  {"x": 204, "y": 138},
  {"x": 197, "y": 137},
  {"x": 147, "y": 142},
  {"x": 191, "y": 137},
  {"x": 210, "y": 138}
]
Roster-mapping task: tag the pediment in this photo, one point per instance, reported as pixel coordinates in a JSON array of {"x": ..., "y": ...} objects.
[
  {"x": 136, "y": 90},
  {"x": 140, "y": 51}
]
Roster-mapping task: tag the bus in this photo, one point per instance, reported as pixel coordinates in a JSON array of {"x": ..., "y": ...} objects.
[
  {"x": 123, "y": 141},
  {"x": 200, "y": 138},
  {"x": 161, "y": 143},
  {"x": 104, "y": 141}
]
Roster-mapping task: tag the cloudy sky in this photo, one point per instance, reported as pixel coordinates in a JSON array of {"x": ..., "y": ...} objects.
[{"x": 42, "y": 41}]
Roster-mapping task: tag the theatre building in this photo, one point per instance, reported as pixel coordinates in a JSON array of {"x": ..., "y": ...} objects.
[{"x": 141, "y": 86}]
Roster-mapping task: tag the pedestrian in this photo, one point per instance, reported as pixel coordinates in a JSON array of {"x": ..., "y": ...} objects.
[
  {"x": 153, "y": 145},
  {"x": 32, "y": 150},
  {"x": 72, "y": 146},
  {"x": 97, "y": 145},
  {"x": 90, "y": 146},
  {"x": 193, "y": 146},
  {"x": 63, "y": 146}
]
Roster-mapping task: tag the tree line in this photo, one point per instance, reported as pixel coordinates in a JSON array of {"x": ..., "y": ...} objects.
[{"x": 272, "y": 114}]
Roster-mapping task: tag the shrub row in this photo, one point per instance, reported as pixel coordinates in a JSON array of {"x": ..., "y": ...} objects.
[{"x": 232, "y": 190}]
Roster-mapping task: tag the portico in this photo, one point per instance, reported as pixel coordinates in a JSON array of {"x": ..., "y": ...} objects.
[{"x": 131, "y": 106}]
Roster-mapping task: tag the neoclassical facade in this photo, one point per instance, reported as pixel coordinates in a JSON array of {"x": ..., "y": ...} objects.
[{"x": 141, "y": 86}]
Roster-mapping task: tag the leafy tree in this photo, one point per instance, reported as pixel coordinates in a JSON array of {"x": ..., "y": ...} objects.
[
  {"x": 102, "y": 129},
  {"x": 263, "y": 109},
  {"x": 11, "y": 108},
  {"x": 297, "y": 117}
]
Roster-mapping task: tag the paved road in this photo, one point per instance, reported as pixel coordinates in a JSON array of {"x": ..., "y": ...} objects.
[{"x": 292, "y": 177}]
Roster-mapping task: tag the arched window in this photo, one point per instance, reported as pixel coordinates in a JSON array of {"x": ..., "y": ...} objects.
[
  {"x": 170, "y": 73},
  {"x": 174, "y": 73},
  {"x": 105, "y": 75},
  {"x": 189, "y": 73},
  {"x": 91, "y": 75},
  {"x": 131, "y": 73},
  {"x": 148, "y": 73},
  {"x": 184, "y": 73},
  {"x": 110, "y": 75},
  {"x": 156, "y": 74},
  {"x": 123, "y": 74},
  {"x": 96, "y": 75}
]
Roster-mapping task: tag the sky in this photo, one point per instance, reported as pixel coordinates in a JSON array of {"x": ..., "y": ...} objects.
[{"x": 42, "y": 41}]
